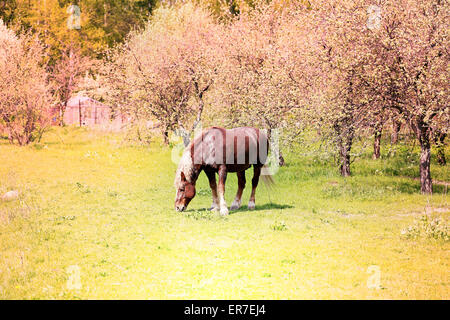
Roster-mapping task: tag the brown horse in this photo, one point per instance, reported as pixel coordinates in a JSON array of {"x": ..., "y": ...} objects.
[{"x": 219, "y": 150}]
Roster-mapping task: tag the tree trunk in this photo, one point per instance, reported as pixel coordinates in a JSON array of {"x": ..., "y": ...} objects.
[
  {"x": 23, "y": 139},
  {"x": 62, "y": 110},
  {"x": 344, "y": 154},
  {"x": 166, "y": 136},
  {"x": 344, "y": 132},
  {"x": 10, "y": 135},
  {"x": 396, "y": 125},
  {"x": 425, "y": 174},
  {"x": 377, "y": 143},
  {"x": 165, "y": 131},
  {"x": 345, "y": 141},
  {"x": 281, "y": 161},
  {"x": 439, "y": 139},
  {"x": 426, "y": 186},
  {"x": 185, "y": 135},
  {"x": 105, "y": 15}
]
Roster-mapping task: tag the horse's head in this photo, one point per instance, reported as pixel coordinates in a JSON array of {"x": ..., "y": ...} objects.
[{"x": 185, "y": 193}]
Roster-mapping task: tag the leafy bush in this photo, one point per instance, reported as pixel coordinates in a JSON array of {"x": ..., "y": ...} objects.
[
  {"x": 24, "y": 90},
  {"x": 427, "y": 227}
]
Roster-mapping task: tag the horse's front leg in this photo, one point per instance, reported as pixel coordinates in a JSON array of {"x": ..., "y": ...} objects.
[
  {"x": 221, "y": 189},
  {"x": 241, "y": 185},
  {"x": 212, "y": 183}
]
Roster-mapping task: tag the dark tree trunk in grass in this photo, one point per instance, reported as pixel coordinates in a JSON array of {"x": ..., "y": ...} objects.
[
  {"x": 425, "y": 174},
  {"x": 396, "y": 126},
  {"x": 377, "y": 143},
  {"x": 439, "y": 140},
  {"x": 281, "y": 161},
  {"x": 344, "y": 154},
  {"x": 62, "y": 109},
  {"x": 423, "y": 132},
  {"x": 345, "y": 135},
  {"x": 166, "y": 136}
]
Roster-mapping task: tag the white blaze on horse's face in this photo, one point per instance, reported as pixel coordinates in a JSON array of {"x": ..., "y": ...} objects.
[{"x": 185, "y": 193}]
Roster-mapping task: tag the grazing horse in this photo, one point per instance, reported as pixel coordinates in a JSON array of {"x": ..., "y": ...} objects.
[{"x": 219, "y": 150}]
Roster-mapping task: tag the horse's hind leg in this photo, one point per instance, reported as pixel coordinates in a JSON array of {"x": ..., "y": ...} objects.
[
  {"x": 212, "y": 183},
  {"x": 255, "y": 180},
  {"x": 241, "y": 185}
]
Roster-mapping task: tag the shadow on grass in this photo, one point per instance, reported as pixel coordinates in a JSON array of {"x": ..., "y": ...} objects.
[
  {"x": 267, "y": 206},
  {"x": 439, "y": 187},
  {"x": 377, "y": 188},
  {"x": 243, "y": 208},
  {"x": 408, "y": 187}
]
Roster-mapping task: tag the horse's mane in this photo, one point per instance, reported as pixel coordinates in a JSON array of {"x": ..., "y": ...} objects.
[{"x": 186, "y": 165}]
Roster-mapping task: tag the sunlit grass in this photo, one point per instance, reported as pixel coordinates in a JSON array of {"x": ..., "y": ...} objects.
[{"x": 91, "y": 200}]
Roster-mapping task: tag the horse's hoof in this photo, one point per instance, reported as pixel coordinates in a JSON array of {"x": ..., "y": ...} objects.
[
  {"x": 235, "y": 206},
  {"x": 214, "y": 209},
  {"x": 251, "y": 205},
  {"x": 224, "y": 211}
]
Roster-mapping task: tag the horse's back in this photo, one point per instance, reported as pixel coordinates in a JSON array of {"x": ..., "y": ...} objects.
[{"x": 238, "y": 148}]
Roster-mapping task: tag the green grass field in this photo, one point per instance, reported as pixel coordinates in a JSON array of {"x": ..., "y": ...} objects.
[{"x": 95, "y": 220}]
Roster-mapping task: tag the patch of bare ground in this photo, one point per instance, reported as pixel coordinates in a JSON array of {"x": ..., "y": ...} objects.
[{"x": 427, "y": 210}]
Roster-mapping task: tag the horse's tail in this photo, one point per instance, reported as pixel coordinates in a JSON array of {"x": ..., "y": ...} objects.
[{"x": 267, "y": 178}]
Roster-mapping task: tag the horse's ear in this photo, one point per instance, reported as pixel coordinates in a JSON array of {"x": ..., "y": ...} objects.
[{"x": 183, "y": 177}]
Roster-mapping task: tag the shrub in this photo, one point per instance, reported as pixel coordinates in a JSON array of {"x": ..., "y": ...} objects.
[
  {"x": 427, "y": 227},
  {"x": 24, "y": 91}
]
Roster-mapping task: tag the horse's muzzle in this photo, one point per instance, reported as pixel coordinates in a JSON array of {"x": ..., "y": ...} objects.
[{"x": 180, "y": 208}]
